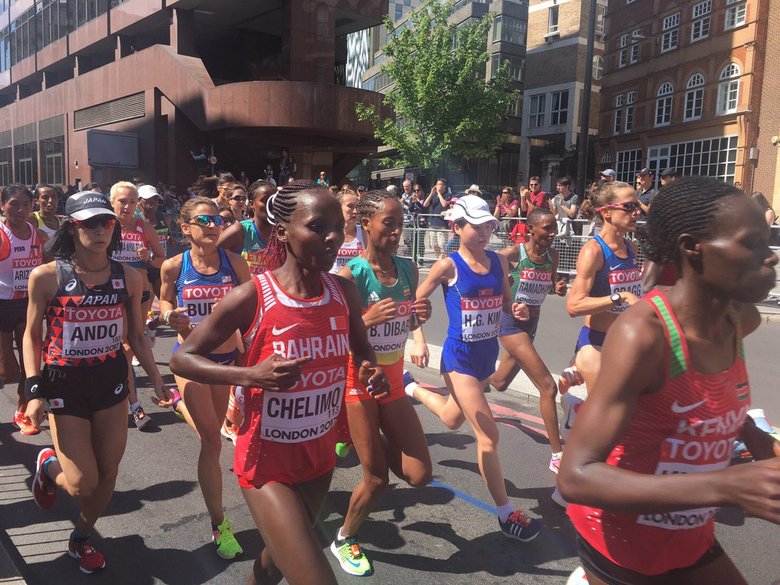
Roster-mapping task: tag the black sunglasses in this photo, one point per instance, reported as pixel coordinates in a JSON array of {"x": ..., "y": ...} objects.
[
  {"x": 206, "y": 220},
  {"x": 105, "y": 221}
]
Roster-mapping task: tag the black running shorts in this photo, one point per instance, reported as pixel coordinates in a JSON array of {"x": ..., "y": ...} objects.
[
  {"x": 12, "y": 314},
  {"x": 83, "y": 390}
]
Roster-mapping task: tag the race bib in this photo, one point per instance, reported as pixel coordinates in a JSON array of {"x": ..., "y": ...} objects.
[
  {"x": 480, "y": 317},
  {"x": 390, "y": 337},
  {"x": 89, "y": 332},
  {"x": 21, "y": 271},
  {"x": 199, "y": 299},
  {"x": 625, "y": 281},
  {"x": 256, "y": 262},
  {"x": 297, "y": 417},
  {"x": 128, "y": 250},
  {"x": 344, "y": 256},
  {"x": 533, "y": 286}
]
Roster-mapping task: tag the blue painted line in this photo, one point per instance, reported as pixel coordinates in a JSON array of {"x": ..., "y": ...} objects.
[{"x": 466, "y": 498}]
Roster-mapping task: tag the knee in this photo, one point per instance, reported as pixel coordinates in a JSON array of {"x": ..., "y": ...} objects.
[
  {"x": 453, "y": 423},
  {"x": 82, "y": 485},
  {"x": 548, "y": 389},
  {"x": 488, "y": 441},
  {"x": 375, "y": 482},
  {"x": 211, "y": 444},
  {"x": 422, "y": 478}
]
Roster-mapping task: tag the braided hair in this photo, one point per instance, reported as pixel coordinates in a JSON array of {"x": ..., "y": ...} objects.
[
  {"x": 686, "y": 206},
  {"x": 280, "y": 207},
  {"x": 370, "y": 202},
  {"x": 257, "y": 185}
]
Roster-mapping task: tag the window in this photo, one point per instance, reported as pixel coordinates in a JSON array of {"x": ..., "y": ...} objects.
[
  {"x": 23, "y": 36},
  {"x": 510, "y": 30},
  {"x": 516, "y": 66},
  {"x": 616, "y": 129},
  {"x": 559, "y": 109},
  {"x": 552, "y": 20},
  {"x": 700, "y": 26},
  {"x": 735, "y": 13},
  {"x": 5, "y": 52},
  {"x": 52, "y": 21},
  {"x": 634, "y": 53},
  {"x": 538, "y": 106},
  {"x": 630, "y": 99},
  {"x": 694, "y": 97},
  {"x": 713, "y": 157},
  {"x": 515, "y": 109},
  {"x": 628, "y": 164},
  {"x": 619, "y": 101},
  {"x": 601, "y": 18},
  {"x": 670, "y": 37},
  {"x": 663, "y": 104},
  {"x": 82, "y": 11},
  {"x": 623, "y": 53},
  {"x": 728, "y": 90}
]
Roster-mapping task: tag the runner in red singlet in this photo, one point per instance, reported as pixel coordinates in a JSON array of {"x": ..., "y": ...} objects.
[
  {"x": 299, "y": 324},
  {"x": 648, "y": 460}
]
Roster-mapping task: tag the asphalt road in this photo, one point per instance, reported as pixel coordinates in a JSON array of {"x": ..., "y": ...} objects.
[{"x": 156, "y": 528}]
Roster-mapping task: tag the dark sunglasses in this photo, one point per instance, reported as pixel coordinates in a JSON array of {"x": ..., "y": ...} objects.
[
  {"x": 239, "y": 198},
  {"x": 107, "y": 222},
  {"x": 206, "y": 220},
  {"x": 505, "y": 192},
  {"x": 628, "y": 206}
]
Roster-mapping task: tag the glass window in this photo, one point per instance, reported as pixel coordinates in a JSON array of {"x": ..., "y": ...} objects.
[
  {"x": 82, "y": 11},
  {"x": 552, "y": 20},
  {"x": 5, "y": 52},
  {"x": 629, "y": 119},
  {"x": 694, "y": 97},
  {"x": 728, "y": 90},
  {"x": 538, "y": 107},
  {"x": 735, "y": 13},
  {"x": 23, "y": 36},
  {"x": 516, "y": 66},
  {"x": 634, "y": 53},
  {"x": 618, "y": 127},
  {"x": 559, "y": 110},
  {"x": 663, "y": 104},
  {"x": 51, "y": 21},
  {"x": 628, "y": 164},
  {"x": 510, "y": 30}
]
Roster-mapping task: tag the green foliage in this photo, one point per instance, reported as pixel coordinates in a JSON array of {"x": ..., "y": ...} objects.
[{"x": 443, "y": 105}]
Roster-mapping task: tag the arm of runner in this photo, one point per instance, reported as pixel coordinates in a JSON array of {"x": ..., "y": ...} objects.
[
  {"x": 420, "y": 307},
  {"x": 176, "y": 317},
  {"x": 760, "y": 444},
  {"x": 240, "y": 267},
  {"x": 442, "y": 271},
  {"x": 632, "y": 363},
  {"x": 420, "y": 355},
  {"x": 232, "y": 238},
  {"x": 42, "y": 287},
  {"x": 589, "y": 262},
  {"x": 136, "y": 336},
  {"x": 560, "y": 286},
  {"x": 511, "y": 253},
  {"x": 158, "y": 254}
]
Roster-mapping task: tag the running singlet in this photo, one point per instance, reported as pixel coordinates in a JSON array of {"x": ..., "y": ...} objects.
[
  {"x": 84, "y": 325},
  {"x": 132, "y": 240},
  {"x": 41, "y": 225},
  {"x": 474, "y": 301},
  {"x": 253, "y": 247},
  {"x": 162, "y": 230},
  {"x": 387, "y": 339},
  {"x": 17, "y": 259},
  {"x": 198, "y": 292},
  {"x": 289, "y": 436},
  {"x": 348, "y": 251},
  {"x": 688, "y": 426},
  {"x": 617, "y": 275},
  {"x": 533, "y": 282}
]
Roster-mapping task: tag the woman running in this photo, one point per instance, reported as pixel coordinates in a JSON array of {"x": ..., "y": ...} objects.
[
  {"x": 250, "y": 237},
  {"x": 236, "y": 196},
  {"x": 609, "y": 279},
  {"x": 21, "y": 250},
  {"x": 385, "y": 431},
  {"x": 298, "y": 323},
  {"x": 192, "y": 283},
  {"x": 648, "y": 463},
  {"x": 46, "y": 219},
  {"x": 353, "y": 233},
  {"x": 81, "y": 298},
  {"x": 534, "y": 278},
  {"x": 476, "y": 290},
  {"x": 139, "y": 248},
  {"x": 149, "y": 200}
]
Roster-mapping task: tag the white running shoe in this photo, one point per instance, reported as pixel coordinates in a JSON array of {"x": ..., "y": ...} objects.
[
  {"x": 571, "y": 404},
  {"x": 578, "y": 577}
]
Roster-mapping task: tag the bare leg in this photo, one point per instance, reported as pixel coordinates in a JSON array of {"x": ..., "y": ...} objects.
[
  {"x": 588, "y": 362},
  {"x": 508, "y": 368},
  {"x": 9, "y": 367},
  {"x": 446, "y": 408}
]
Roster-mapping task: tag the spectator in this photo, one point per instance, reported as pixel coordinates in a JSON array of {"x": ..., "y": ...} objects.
[
  {"x": 506, "y": 206},
  {"x": 406, "y": 194},
  {"x": 287, "y": 167},
  {"x": 608, "y": 175},
  {"x": 393, "y": 190},
  {"x": 361, "y": 191},
  {"x": 323, "y": 181},
  {"x": 437, "y": 202},
  {"x": 565, "y": 205},
  {"x": 669, "y": 175},
  {"x": 536, "y": 197},
  {"x": 763, "y": 203},
  {"x": 645, "y": 191},
  {"x": 415, "y": 209}
]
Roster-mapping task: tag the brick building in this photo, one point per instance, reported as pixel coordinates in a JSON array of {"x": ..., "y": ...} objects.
[
  {"x": 682, "y": 87},
  {"x": 767, "y": 175},
  {"x": 95, "y": 90},
  {"x": 554, "y": 84}
]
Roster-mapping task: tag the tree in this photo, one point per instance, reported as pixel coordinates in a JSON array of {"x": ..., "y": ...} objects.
[{"x": 443, "y": 105}]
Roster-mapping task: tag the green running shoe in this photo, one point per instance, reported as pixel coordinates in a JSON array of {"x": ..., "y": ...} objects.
[
  {"x": 343, "y": 449},
  {"x": 351, "y": 557},
  {"x": 227, "y": 545}
]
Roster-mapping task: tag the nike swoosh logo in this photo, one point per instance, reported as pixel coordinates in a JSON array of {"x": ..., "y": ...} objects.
[
  {"x": 190, "y": 281},
  {"x": 677, "y": 409},
  {"x": 276, "y": 331}
]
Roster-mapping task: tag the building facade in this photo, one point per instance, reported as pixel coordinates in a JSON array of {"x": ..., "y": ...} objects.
[
  {"x": 95, "y": 90},
  {"x": 554, "y": 85},
  {"x": 683, "y": 86}
]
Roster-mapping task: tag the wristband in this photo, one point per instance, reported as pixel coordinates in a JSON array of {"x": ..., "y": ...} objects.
[
  {"x": 32, "y": 388},
  {"x": 167, "y": 316}
]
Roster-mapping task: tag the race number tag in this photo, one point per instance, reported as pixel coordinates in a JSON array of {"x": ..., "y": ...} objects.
[
  {"x": 89, "y": 332},
  {"x": 297, "y": 417},
  {"x": 480, "y": 317},
  {"x": 625, "y": 281}
]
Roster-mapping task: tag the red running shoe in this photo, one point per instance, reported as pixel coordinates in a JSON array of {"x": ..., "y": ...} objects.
[
  {"x": 89, "y": 559},
  {"x": 43, "y": 489}
]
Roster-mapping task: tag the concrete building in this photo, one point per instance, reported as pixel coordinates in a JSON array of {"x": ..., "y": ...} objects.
[
  {"x": 506, "y": 42},
  {"x": 554, "y": 85},
  {"x": 683, "y": 87},
  {"x": 103, "y": 89}
]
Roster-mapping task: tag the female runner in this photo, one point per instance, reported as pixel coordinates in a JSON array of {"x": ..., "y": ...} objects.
[
  {"x": 81, "y": 297},
  {"x": 250, "y": 237},
  {"x": 149, "y": 200},
  {"x": 46, "y": 218},
  {"x": 353, "y": 233},
  {"x": 534, "y": 278},
  {"x": 192, "y": 283},
  {"x": 648, "y": 463},
  {"x": 138, "y": 238},
  {"x": 236, "y": 196},
  {"x": 385, "y": 430},
  {"x": 476, "y": 290},
  {"x": 21, "y": 250},
  {"x": 298, "y": 323},
  {"x": 609, "y": 279}
]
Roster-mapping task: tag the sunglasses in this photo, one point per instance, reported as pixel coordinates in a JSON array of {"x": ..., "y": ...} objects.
[
  {"x": 505, "y": 192},
  {"x": 240, "y": 198},
  {"x": 206, "y": 220},
  {"x": 105, "y": 221},
  {"x": 627, "y": 206}
]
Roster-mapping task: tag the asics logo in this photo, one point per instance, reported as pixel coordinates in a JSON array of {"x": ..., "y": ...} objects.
[
  {"x": 118, "y": 389},
  {"x": 34, "y": 389},
  {"x": 678, "y": 409},
  {"x": 278, "y": 331},
  {"x": 71, "y": 285}
]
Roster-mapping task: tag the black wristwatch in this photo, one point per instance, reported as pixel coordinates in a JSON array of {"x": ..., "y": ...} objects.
[{"x": 616, "y": 299}]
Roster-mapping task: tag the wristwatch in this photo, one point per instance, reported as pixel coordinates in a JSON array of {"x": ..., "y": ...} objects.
[{"x": 616, "y": 299}]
